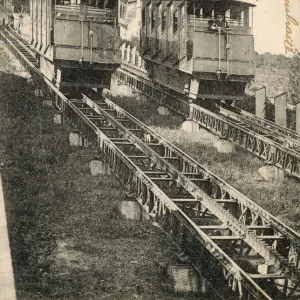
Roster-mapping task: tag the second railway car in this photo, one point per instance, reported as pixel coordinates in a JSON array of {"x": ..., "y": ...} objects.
[
  {"x": 202, "y": 47},
  {"x": 76, "y": 41}
]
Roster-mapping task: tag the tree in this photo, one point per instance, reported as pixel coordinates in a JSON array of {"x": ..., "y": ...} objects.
[{"x": 20, "y": 4}]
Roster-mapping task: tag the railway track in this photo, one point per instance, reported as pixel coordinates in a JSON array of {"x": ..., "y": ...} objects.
[
  {"x": 224, "y": 234},
  {"x": 255, "y": 139},
  {"x": 284, "y": 136}
]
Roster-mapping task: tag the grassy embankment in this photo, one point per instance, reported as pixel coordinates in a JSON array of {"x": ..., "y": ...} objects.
[
  {"x": 68, "y": 240},
  {"x": 239, "y": 169}
]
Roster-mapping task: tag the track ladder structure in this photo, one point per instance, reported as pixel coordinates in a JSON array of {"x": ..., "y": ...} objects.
[
  {"x": 242, "y": 250},
  {"x": 253, "y": 139}
]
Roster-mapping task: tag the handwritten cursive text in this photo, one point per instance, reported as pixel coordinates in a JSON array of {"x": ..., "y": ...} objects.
[{"x": 288, "y": 43}]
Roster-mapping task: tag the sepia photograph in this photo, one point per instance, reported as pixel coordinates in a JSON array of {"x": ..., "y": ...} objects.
[{"x": 149, "y": 149}]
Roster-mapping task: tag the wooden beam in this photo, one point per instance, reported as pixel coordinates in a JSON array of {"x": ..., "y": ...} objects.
[
  {"x": 123, "y": 143},
  {"x": 192, "y": 174},
  {"x": 257, "y": 227},
  {"x": 107, "y": 128},
  {"x": 270, "y": 237},
  {"x": 185, "y": 200},
  {"x": 162, "y": 179},
  {"x": 154, "y": 144},
  {"x": 155, "y": 173},
  {"x": 248, "y": 257},
  {"x": 198, "y": 179},
  {"x": 225, "y": 238},
  {"x": 108, "y": 109},
  {"x": 95, "y": 117},
  {"x": 226, "y": 201},
  {"x": 267, "y": 276},
  {"x": 122, "y": 120},
  {"x": 118, "y": 139},
  {"x": 213, "y": 227}
]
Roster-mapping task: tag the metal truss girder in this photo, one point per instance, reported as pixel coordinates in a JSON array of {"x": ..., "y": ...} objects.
[
  {"x": 217, "y": 210},
  {"x": 161, "y": 203},
  {"x": 225, "y": 238},
  {"x": 263, "y": 214},
  {"x": 227, "y": 190},
  {"x": 266, "y": 148},
  {"x": 265, "y": 126},
  {"x": 236, "y": 226},
  {"x": 259, "y": 146}
]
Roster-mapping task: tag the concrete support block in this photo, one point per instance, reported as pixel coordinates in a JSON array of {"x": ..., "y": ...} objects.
[
  {"x": 190, "y": 126},
  {"x": 121, "y": 89},
  {"x": 164, "y": 111},
  {"x": 106, "y": 92},
  {"x": 98, "y": 167},
  {"x": 76, "y": 139},
  {"x": 47, "y": 102},
  {"x": 204, "y": 286},
  {"x": 58, "y": 118},
  {"x": 271, "y": 173},
  {"x": 224, "y": 146},
  {"x": 132, "y": 210},
  {"x": 185, "y": 279},
  {"x": 85, "y": 142},
  {"x": 30, "y": 81},
  {"x": 38, "y": 92},
  {"x": 141, "y": 97},
  {"x": 263, "y": 269}
]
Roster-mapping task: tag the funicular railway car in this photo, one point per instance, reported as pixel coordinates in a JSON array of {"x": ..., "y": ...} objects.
[
  {"x": 76, "y": 41},
  {"x": 204, "y": 48}
]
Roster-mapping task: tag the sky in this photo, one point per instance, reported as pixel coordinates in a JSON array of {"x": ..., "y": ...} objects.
[{"x": 269, "y": 26}]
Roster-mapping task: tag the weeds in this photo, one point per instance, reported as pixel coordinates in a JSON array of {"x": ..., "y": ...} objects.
[{"x": 67, "y": 238}]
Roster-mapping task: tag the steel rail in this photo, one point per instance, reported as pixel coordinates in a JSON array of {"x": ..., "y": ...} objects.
[
  {"x": 185, "y": 164},
  {"x": 61, "y": 102},
  {"x": 275, "y": 127},
  {"x": 162, "y": 203},
  {"x": 226, "y": 191},
  {"x": 110, "y": 122},
  {"x": 262, "y": 146},
  {"x": 280, "y": 134}
]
